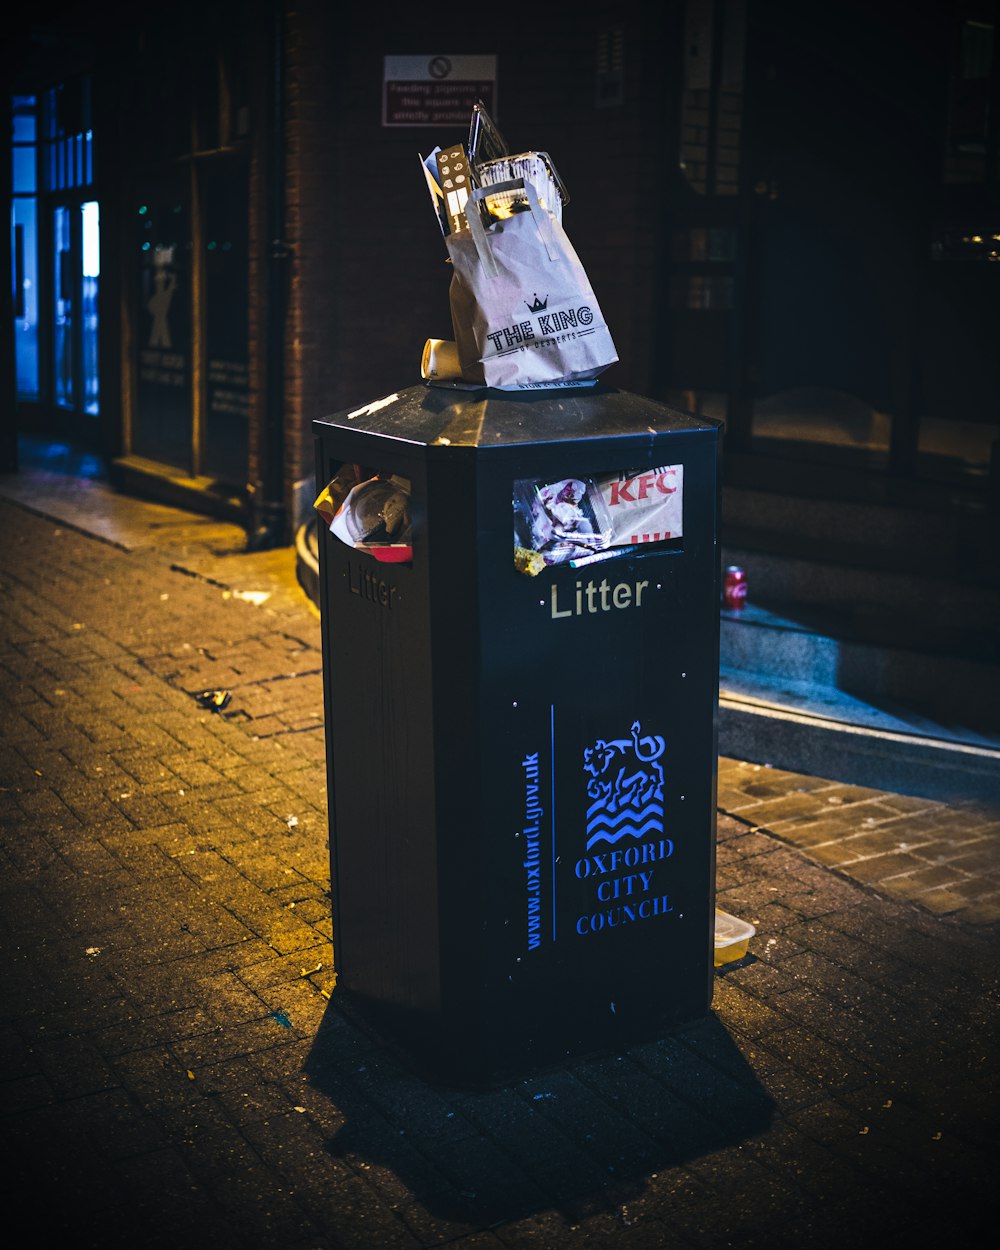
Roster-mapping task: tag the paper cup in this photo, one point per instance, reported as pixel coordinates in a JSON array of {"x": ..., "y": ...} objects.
[{"x": 440, "y": 360}]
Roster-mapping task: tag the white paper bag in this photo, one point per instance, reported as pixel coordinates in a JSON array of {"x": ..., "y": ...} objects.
[{"x": 524, "y": 314}]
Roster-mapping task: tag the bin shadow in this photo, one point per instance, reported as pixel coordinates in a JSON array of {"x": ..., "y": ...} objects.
[{"x": 581, "y": 1138}]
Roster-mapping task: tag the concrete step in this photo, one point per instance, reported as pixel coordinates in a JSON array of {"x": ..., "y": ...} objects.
[
  {"x": 922, "y": 575},
  {"x": 869, "y": 649},
  {"x": 813, "y": 730},
  {"x": 935, "y": 683},
  {"x": 927, "y": 610},
  {"x": 921, "y": 721}
]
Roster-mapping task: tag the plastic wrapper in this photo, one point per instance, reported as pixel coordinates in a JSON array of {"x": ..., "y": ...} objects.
[
  {"x": 535, "y": 168},
  {"x": 559, "y": 521}
]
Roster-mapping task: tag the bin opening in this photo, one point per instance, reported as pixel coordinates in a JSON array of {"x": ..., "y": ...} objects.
[
  {"x": 369, "y": 511},
  {"x": 580, "y": 520}
]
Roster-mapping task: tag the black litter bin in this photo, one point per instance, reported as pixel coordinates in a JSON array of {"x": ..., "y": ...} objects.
[{"x": 522, "y": 763}]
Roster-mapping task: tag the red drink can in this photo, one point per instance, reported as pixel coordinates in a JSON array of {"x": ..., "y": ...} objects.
[{"x": 734, "y": 587}]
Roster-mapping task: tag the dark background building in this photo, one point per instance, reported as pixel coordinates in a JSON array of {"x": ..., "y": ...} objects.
[{"x": 789, "y": 214}]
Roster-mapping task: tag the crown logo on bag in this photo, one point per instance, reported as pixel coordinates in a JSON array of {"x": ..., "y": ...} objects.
[{"x": 539, "y": 305}]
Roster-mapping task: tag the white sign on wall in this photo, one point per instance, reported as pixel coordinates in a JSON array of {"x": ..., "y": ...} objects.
[{"x": 437, "y": 90}]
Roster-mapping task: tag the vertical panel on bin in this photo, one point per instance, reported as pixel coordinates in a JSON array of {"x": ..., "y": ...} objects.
[
  {"x": 522, "y": 768},
  {"x": 379, "y": 726},
  {"x": 452, "y": 541}
]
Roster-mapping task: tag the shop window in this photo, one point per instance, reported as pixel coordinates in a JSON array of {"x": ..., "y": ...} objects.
[
  {"x": 64, "y": 307},
  {"x": 226, "y": 294},
  {"x": 712, "y": 96},
  {"x": 162, "y": 425},
  {"x": 966, "y": 144},
  {"x": 24, "y": 245},
  {"x": 91, "y": 272},
  {"x": 189, "y": 407},
  {"x": 55, "y": 248}
]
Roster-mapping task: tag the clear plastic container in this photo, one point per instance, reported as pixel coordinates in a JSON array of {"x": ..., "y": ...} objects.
[{"x": 732, "y": 937}]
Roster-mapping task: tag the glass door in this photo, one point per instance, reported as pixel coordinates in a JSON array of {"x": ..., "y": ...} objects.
[
  {"x": 67, "y": 162},
  {"x": 24, "y": 245},
  {"x": 55, "y": 252},
  {"x": 162, "y": 426},
  {"x": 75, "y": 276},
  {"x": 64, "y": 303},
  {"x": 90, "y": 273}
]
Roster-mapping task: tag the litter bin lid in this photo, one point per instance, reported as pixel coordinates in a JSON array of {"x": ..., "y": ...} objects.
[{"x": 488, "y": 418}]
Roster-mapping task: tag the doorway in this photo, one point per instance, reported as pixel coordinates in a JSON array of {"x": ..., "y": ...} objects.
[{"x": 55, "y": 242}]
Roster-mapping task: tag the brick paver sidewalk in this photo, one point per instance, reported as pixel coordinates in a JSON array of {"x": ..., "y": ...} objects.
[
  {"x": 176, "y": 1072},
  {"x": 943, "y": 856}
]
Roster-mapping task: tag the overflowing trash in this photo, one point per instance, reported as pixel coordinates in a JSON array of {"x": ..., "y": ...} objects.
[
  {"x": 578, "y": 520},
  {"x": 369, "y": 513},
  {"x": 524, "y": 314}
]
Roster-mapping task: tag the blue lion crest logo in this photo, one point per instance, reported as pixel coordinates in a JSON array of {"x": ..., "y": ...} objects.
[{"x": 626, "y": 786}]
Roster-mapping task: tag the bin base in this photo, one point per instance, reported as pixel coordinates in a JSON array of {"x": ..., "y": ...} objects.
[{"x": 452, "y": 1058}]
